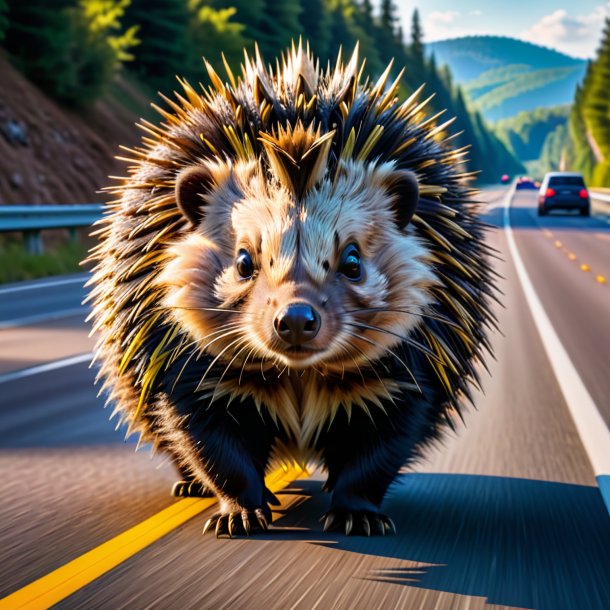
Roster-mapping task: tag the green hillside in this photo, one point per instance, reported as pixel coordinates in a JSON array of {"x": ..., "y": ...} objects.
[
  {"x": 526, "y": 133},
  {"x": 504, "y": 76}
]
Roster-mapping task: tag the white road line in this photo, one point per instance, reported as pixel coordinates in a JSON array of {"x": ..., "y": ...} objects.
[
  {"x": 590, "y": 425},
  {"x": 80, "y": 279},
  {"x": 45, "y": 368},
  {"x": 43, "y": 317}
]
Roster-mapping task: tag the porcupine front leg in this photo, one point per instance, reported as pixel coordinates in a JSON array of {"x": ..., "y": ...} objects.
[
  {"x": 363, "y": 456},
  {"x": 231, "y": 455}
]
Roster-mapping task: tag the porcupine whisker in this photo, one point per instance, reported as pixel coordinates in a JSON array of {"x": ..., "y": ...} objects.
[
  {"x": 243, "y": 366},
  {"x": 216, "y": 309},
  {"x": 372, "y": 367},
  {"x": 387, "y": 349},
  {"x": 343, "y": 348},
  {"x": 198, "y": 352},
  {"x": 436, "y": 317},
  {"x": 351, "y": 345},
  {"x": 216, "y": 360},
  {"x": 226, "y": 334},
  {"x": 410, "y": 342},
  {"x": 239, "y": 351}
]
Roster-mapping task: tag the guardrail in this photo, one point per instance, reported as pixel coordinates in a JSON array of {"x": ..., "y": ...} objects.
[
  {"x": 605, "y": 197},
  {"x": 32, "y": 219}
]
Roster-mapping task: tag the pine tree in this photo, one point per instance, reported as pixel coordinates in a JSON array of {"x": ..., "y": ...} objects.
[
  {"x": 596, "y": 110},
  {"x": 72, "y": 50},
  {"x": 213, "y": 33},
  {"x": 346, "y": 30},
  {"x": 3, "y": 18},
  {"x": 416, "y": 47},
  {"x": 315, "y": 23},
  {"x": 388, "y": 19},
  {"x": 162, "y": 29},
  {"x": 279, "y": 27},
  {"x": 249, "y": 12}
]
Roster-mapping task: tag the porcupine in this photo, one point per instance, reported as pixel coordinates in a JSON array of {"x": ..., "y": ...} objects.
[{"x": 293, "y": 270}]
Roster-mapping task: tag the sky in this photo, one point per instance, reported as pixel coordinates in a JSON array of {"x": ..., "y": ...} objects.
[{"x": 571, "y": 27}]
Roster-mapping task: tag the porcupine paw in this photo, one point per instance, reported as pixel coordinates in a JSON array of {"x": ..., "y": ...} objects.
[
  {"x": 358, "y": 522},
  {"x": 191, "y": 489},
  {"x": 238, "y": 522}
]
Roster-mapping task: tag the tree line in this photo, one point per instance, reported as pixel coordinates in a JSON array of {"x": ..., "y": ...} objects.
[
  {"x": 588, "y": 144},
  {"x": 74, "y": 48}
]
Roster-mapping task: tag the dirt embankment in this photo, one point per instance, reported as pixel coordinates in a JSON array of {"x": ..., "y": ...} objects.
[{"x": 51, "y": 154}]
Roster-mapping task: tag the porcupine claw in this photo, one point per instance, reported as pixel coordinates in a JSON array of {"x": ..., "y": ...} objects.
[
  {"x": 356, "y": 523},
  {"x": 190, "y": 489},
  {"x": 245, "y": 519},
  {"x": 262, "y": 520},
  {"x": 389, "y": 524},
  {"x": 328, "y": 521},
  {"x": 349, "y": 523},
  {"x": 366, "y": 525},
  {"x": 219, "y": 524},
  {"x": 232, "y": 527},
  {"x": 209, "y": 523},
  {"x": 237, "y": 523}
]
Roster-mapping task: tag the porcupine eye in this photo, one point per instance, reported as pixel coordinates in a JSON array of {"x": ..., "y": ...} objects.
[
  {"x": 244, "y": 264},
  {"x": 351, "y": 265}
]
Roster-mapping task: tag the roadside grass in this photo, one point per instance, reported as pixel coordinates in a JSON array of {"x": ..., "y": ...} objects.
[{"x": 17, "y": 264}]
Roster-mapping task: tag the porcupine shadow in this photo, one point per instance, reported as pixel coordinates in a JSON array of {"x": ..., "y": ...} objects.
[{"x": 516, "y": 542}]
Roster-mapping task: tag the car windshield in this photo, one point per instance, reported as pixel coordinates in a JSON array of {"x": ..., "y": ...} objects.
[{"x": 566, "y": 181}]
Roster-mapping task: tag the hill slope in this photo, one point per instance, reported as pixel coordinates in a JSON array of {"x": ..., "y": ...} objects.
[
  {"x": 51, "y": 154},
  {"x": 504, "y": 76}
]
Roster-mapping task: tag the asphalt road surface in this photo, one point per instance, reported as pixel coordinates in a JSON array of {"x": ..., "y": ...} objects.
[{"x": 505, "y": 514}]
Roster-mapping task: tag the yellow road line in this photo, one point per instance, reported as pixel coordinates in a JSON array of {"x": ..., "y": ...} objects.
[{"x": 76, "y": 574}]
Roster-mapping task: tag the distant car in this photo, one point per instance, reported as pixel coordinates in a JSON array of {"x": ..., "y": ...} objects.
[
  {"x": 505, "y": 178},
  {"x": 563, "y": 191},
  {"x": 525, "y": 182}
]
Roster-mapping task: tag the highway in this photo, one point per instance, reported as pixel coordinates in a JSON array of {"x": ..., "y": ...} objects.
[{"x": 506, "y": 513}]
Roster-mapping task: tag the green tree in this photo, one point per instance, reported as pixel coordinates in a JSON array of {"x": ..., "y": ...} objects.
[
  {"x": 596, "y": 110},
  {"x": 72, "y": 50},
  {"x": 315, "y": 23},
  {"x": 416, "y": 47},
  {"x": 162, "y": 29},
  {"x": 388, "y": 19},
  {"x": 249, "y": 12},
  {"x": 279, "y": 27},
  {"x": 347, "y": 29},
  {"x": 3, "y": 18},
  {"x": 211, "y": 33}
]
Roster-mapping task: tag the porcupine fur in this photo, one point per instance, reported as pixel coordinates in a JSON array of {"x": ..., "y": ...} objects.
[{"x": 293, "y": 166}]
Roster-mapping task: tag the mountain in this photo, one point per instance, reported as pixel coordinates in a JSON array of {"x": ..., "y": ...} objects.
[{"x": 504, "y": 76}]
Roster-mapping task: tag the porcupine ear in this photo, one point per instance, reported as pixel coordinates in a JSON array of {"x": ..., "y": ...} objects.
[
  {"x": 402, "y": 185},
  {"x": 192, "y": 184}
]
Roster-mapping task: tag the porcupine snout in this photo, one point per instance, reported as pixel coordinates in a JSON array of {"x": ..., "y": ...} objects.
[{"x": 297, "y": 323}]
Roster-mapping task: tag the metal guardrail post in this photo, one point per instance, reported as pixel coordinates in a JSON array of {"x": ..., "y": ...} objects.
[
  {"x": 32, "y": 219},
  {"x": 33, "y": 242}
]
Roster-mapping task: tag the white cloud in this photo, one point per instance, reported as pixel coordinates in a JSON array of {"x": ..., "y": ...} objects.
[
  {"x": 577, "y": 35},
  {"x": 476, "y": 13},
  {"x": 441, "y": 24},
  {"x": 443, "y": 16}
]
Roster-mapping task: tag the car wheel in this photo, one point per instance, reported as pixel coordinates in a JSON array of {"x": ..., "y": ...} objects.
[
  {"x": 541, "y": 211},
  {"x": 585, "y": 212}
]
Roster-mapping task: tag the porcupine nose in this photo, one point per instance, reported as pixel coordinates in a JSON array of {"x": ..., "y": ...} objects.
[{"x": 297, "y": 323}]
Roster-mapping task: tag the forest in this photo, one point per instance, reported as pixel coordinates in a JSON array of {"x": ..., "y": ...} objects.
[
  {"x": 588, "y": 147},
  {"x": 73, "y": 49}
]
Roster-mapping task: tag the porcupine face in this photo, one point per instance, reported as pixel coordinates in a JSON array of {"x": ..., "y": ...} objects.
[{"x": 329, "y": 280}]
